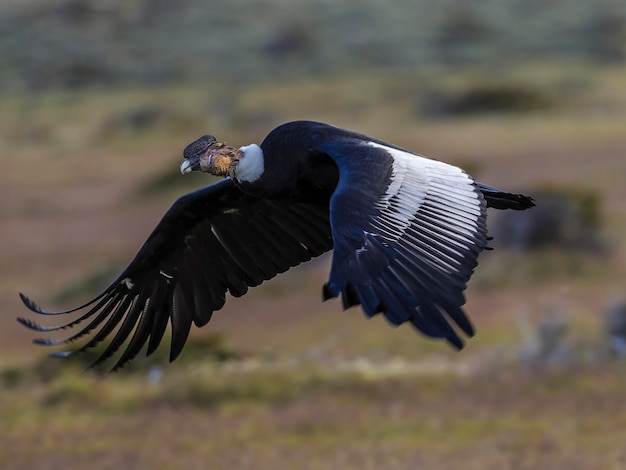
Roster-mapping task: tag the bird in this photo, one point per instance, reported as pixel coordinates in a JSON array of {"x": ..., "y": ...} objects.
[{"x": 405, "y": 230}]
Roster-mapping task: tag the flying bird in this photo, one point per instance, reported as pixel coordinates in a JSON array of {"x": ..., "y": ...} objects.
[{"x": 406, "y": 232}]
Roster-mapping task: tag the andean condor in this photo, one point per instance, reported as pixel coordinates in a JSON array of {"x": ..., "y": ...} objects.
[{"x": 406, "y": 232}]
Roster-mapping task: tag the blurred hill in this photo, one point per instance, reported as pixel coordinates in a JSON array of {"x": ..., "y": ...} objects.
[{"x": 73, "y": 43}]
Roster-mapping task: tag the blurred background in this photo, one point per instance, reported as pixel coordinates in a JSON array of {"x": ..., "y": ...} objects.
[{"x": 98, "y": 99}]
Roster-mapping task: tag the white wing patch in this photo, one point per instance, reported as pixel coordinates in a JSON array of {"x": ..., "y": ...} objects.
[{"x": 430, "y": 207}]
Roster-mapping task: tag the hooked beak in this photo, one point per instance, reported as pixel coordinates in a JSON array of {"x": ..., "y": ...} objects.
[{"x": 190, "y": 164}]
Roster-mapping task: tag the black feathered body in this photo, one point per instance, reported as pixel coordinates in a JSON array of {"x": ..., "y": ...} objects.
[
  {"x": 406, "y": 233},
  {"x": 296, "y": 167}
]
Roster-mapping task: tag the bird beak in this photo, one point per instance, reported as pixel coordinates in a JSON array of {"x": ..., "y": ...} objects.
[{"x": 189, "y": 165}]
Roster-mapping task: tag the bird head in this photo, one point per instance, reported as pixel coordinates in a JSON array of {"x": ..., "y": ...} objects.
[{"x": 210, "y": 156}]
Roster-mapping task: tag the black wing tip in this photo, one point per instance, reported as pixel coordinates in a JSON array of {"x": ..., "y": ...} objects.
[
  {"x": 61, "y": 354},
  {"x": 30, "y": 304},
  {"x": 459, "y": 318},
  {"x": 45, "y": 342},
  {"x": 349, "y": 296},
  {"x": 456, "y": 342},
  {"x": 174, "y": 354},
  {"x": 33, "y": 325},
  {"x": 328, "y": 293},
  {"x": 465, "y": 325},
  {"x": 28, "y": 323}
]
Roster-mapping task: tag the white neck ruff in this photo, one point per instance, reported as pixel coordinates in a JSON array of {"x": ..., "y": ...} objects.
[{"x": 251, "y": 165}]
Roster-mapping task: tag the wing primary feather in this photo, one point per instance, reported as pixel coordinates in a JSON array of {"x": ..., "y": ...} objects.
[
  {"x": 185, "y": 281},
  {"x": 369, "y": 300},
  {"x": 397, "y": 308},
  {"x": 129, "y": 322},
  {"x": 450, "y": 336},
  {"x": 449, "y": 300},
  {"x": 212, "y": 250},
  {"x": 37, "y": 327},
  {"x": 456, "y": 313},
  {"x": 213, "y": 272},
  {"x": 406, "y": 306},
  {"x": 237, "y": 282},
  {"x": 159, "y": 319},
  {"x": 110, "y": 324},
  {"x": 349, "y": 296},
  {"x": 422, "y": 321},
  {"x": 61, "y": 354},
  {"x": 200, "y": 286},
  {"x": 418, "y": 303},
  {"x": 104, "y": 313},
  {"x": 144, "y": 325},
  {"x": 181, "y": 319},
  {"x": 203, "y": 310},
  {"x": 327, "y": 292},
  {"x": 32, "y": 306},
  {"x": 135, "y": 310}
]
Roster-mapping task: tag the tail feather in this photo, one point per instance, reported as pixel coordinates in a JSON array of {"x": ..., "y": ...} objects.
[{"x": 503, "y": 200}]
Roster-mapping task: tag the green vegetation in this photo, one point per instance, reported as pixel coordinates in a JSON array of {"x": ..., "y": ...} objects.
[{"x": 223, "y": 414}]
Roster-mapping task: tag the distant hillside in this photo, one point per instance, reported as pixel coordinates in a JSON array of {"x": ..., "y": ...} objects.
[{"x": 73, "y": 43}]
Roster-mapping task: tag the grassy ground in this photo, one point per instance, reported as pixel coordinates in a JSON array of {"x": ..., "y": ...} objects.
[
  {"x": 316, "y": 418},
  {"x": 313, "y": 387}
]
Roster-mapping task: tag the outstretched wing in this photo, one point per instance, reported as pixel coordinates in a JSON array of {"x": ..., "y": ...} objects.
[
  {"x": 407, "y": 233},
  {"x": 214, "y": 240}
]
